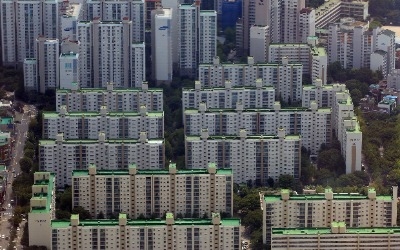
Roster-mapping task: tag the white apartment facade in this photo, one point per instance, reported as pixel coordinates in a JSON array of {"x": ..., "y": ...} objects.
[
  {"x": 63, "y": 156},
  {"x": 115, "y": 125},
  {"x": 115, "y": 99},
  {"x": 306, "y": 24},
  {"x": 197, "y": 38},
  {"x": 226, "y": 97},
  {"x": 323, "y": 95},
  {"x": 133, "y": 10},
  {"x": 285, "y": 77},
  {"x": 320, "y": 210},
  {"x": 345, "y": 238},
  {"x": 313, "y": 59},
  {"x": 152, "y": 193},
  {"x": 30, "y": 74},
  {"x": 42, "y": 72},
  {"x": 107, "y": 53},
  {"x": 313, "y": 124},
  {"x": 393, "y": 79},
  {"x": 161, "y": 48},
  {"x": 42, "y": 207},
  {"x": 348, "y": 131},
  {"x": 259, "y": 42},
  {"x": 22, "y": 22},
  {"x": 253, "y": 159},
  {"x": 69, "y": 70},
  {"x": 207, "y": 36},
  {"x": 168, "y": 233}
]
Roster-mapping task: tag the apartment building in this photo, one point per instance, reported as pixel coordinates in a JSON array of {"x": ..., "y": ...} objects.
[
  {"x": 168, "y": 233},
  {"x": 351, "y": 43},
  {"x": 320, "y": 210},
  {"x": 306, "y": 24},
  {"x": 258, "y": 96},
  {"x": 333, "y": 10},
  {"x": 22, "y": 22},
  {"x": 259, "y": 42},
  {"x": 253, "y": 159},
  {"x": 323, "y": 95},
  {"x": 115, "y": 125},
  {"x": 133, "y": 10},
  {"x": 115, "y": 99},
  {"x": 191, "y": 193},
  {"x": 393, "y": 79},
  {"x": 348, "y": 131},
  {"x": 108, "y": 53},
  {"x": 282, "y": 17},
  {"x": 344, "y": 237},
  {"x": 197, "y": 37},
  {"x": 161, "y": 45},
  {"x": 285, "y": 77},
  {"x": 61, "y": 156},
  {"x": 69, "y": 70},
  {"x": 42, "y": 71},
  {"x": 313, "y": 59},
  {"x": 313, "y": 124},
  {"x": 42, "y": 208}
]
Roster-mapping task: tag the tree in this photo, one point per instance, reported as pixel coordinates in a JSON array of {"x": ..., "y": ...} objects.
[
  {"x": 26, "y": 164},
  {"x": 62, "y": 214},
  {"x": 29, "y": 153},
  {"x": 100, "y": 215},
  {"x": 25, "y": 236},
  {"x": 356, "y": 96},
  {"x": 64, "y": 199},
  {"x": 332, "y": 160},
  {"x": 253, "y": 219},
  {"x": 270, "y": 182},
  {"x": 286, "y": 181},
  {"x": 83, "y": 213}
]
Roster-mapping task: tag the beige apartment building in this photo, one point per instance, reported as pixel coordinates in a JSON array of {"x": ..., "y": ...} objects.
[
  {"x": 320, "y": 210},
  {"x": 361, "y": 238},
  {"x": 169, "y": 233},
  {"x": 193, "y": 193}
]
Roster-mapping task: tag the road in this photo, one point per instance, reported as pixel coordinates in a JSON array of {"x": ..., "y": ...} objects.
[{"x": 14, "y": 168}]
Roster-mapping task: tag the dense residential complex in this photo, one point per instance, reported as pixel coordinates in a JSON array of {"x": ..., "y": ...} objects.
[
  {"x": 166, "y": 233},
  {"x": 323, "y": 95},
  {"x": 115, "y": 125},
  {"x": 191, "y": 193},
  {"x": 352, "y": 44},
  {"x": 228, "y": 96},
  {"x": 61, "y": 156},
  {"x": 253, "y": 159},
  {"x": 320, "y": 210},
  {"x": 115, "y": 99}
]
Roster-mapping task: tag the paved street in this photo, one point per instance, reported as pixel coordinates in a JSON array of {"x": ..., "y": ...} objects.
[{"x": 17, "y": 154}]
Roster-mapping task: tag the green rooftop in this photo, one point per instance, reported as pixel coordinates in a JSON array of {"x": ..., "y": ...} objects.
[
  {"x": 221, "y": 171},
  {"x": 48, "y": 115},
  {"x": 43, "y": 196},
  {"x": 149, "y": 223},
  {"x": 251, "y": 110},
  {"x": 102, "y": 90},
  {"x": 325, "y": 230},
  {"x": 110, "y": 141},
  {"x": 236, "y": 137}
]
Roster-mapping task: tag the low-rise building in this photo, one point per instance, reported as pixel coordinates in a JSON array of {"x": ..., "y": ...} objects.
[
  {"x": 253, "y": 159},
  {"x": 193, "y": 193},
  {"x": 61, "y": 156},
  {"x": 116, "y": 99},
  {"x": 320, "y": 210},
  {"x": 5, "y": 147},
  {"x": 115, "y": 125}
]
